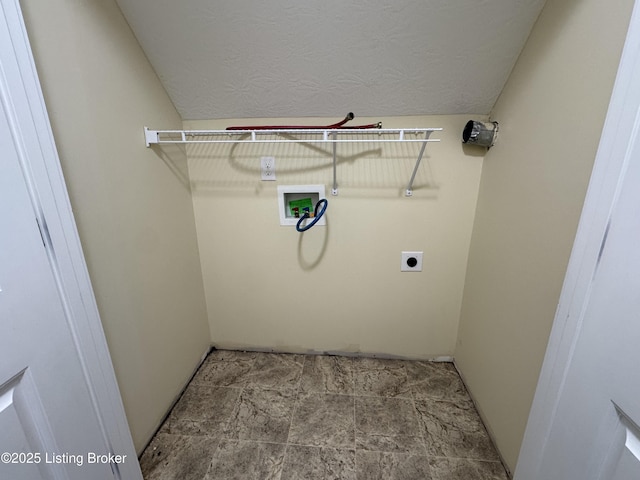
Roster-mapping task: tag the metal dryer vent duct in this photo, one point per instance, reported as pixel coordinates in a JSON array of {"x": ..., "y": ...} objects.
[{"x": 483, "y": 134}]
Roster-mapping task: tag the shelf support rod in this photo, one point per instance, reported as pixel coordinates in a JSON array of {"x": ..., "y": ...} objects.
[
  {"x": 334, "y": 189},
  {"x": 409, "y": 191}
]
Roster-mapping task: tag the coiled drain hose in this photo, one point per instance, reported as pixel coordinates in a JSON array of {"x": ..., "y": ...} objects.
[{"x": 316, "y": 215}]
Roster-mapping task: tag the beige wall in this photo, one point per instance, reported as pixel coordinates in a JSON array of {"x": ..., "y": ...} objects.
[
  {"x": 133, "y": 211},
  {"x": 339, "y": 287},
  {"x": 551, "y": 113},
  {"x": 335, "y": 288}
]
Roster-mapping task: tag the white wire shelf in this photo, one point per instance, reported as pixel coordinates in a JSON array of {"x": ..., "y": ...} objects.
[
  {"x": 315, "y": 136},
  {"x": 339, "y": 135}
]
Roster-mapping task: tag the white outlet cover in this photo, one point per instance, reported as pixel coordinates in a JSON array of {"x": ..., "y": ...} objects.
[
  {"x": 405, "y": 260},
  {"x": 268, "y": 168}
]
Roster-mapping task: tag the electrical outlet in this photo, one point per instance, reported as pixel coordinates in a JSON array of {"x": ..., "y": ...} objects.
[
  {"x": 268, "y": 168},
  {"x": 411, "y": 262}
]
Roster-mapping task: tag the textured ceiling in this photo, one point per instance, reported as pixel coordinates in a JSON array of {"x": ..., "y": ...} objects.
[{"x": 293, "y": 58}]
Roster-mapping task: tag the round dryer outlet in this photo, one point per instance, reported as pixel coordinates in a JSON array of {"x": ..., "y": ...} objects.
[{"x": 411, "y": 262}]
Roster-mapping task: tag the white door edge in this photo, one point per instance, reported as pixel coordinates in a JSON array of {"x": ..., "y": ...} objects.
[
  {"x": 619, "y": 131},
  {"x": 22, "y": 96}
]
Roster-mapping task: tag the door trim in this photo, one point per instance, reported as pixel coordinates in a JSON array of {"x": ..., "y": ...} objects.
[
  {"x": 619, "y": 133},
  {"x": 22, "y": 96}
]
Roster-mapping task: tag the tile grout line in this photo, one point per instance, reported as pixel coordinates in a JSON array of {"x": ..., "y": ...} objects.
[
  {"x": 223, "y": 435},
  {"x": 215, "y": 450},
  {"x": 355, "y": 422},
  {"x": 471, "y": 459},
  {"x": 293, "y": 413},
  {"x": 418, "y": 419},
  {"x": 420, "y": 429},
  {"x": 243, "y": 387}
]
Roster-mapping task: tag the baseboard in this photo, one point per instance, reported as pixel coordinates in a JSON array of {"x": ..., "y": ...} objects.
[
  {"x": 341, "y": 353},
  {"x": 177, "y": 398},
  {"x": 484, "y": 419}
]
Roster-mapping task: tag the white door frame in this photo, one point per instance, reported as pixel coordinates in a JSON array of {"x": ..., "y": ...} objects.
[
  {"x": 22, "y": 97},
  {"x": 620, "y": 131}
]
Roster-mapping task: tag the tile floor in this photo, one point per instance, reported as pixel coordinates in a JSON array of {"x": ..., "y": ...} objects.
[{"x": 254, "y": 416}]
